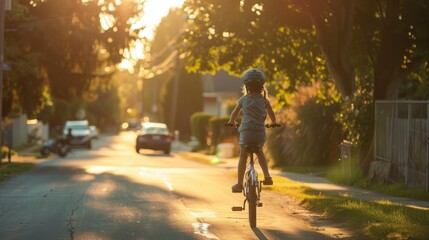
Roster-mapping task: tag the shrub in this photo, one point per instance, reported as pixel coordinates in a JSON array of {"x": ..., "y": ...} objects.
[
  {"x": 200, "y": 127},
  {"x": 310, "y": 135},
  {"x": 218, "y": 131},
  {"x": 230, "y": 105}
]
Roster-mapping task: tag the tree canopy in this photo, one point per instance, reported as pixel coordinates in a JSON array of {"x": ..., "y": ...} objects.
[
  {"x": 180, "y": 93},
  {"x": 58, "y": 48},
  {"x": 297, "y": 41},
  {"x": 371, "y": 49}
]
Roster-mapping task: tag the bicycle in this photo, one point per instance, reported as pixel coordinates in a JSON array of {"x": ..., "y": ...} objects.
[{"x": 252, "y": 187}]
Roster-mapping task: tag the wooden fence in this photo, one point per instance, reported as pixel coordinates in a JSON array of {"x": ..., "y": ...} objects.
[{"x": 401, "y": 149}]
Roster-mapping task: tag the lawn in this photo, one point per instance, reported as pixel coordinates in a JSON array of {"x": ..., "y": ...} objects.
[
  {"x": 8, "y": 170},
  {"x": 374, "y": 220}
]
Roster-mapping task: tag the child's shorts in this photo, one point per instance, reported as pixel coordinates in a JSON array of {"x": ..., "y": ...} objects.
[{"x": 247, "y": 137}]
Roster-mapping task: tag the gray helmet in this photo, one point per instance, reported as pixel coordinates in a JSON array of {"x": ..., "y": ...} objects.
[{"x": 253, "y": 76}]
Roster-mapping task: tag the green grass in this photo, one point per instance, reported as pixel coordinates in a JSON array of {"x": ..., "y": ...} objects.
[
  {"x": 212, "y": 159},
  {"x": 374, "y": 220},
  {"x": 336, "y": 174},
  {"x": 8, "y": 170}
]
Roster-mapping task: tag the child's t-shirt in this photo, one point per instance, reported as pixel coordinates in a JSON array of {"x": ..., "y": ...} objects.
[{"x": 254, "y": 114}]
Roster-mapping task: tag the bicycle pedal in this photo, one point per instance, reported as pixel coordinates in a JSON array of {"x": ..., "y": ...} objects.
[
  {"x": 260, "y": 204},
  {"x": 237, "y": 209}
]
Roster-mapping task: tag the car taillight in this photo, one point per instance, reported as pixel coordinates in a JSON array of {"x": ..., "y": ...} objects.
[
  {"x": 166, "y": 137},
  {"x": 141, "y": 137}
]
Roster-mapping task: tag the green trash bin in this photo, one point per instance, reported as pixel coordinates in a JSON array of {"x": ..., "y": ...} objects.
[{"x": 346, "y": 160}]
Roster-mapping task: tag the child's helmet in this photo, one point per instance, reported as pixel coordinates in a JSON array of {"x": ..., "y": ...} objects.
[{"x": 253, "y": 76}]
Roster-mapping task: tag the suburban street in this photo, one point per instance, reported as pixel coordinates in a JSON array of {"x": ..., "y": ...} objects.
[{"x": 112, "y": 192}]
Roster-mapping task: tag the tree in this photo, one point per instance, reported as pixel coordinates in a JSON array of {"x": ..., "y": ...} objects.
[
  {"x": 368, "y": 47},
  {"x": 188, "y": 101},
  {"x": 70, "y": 43},
  {"x": 239, "y": 34},
  {"x": 160, "y": 61},
  {"x": 181, "y": 92},
  {"x": 24, "y": 87},
  {"x": 104, "y": 111},
  {"x": 289, "y": 36}
]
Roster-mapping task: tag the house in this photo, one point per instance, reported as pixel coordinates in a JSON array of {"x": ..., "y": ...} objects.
[
  {"x": 19, "y": 131},
  {"x": 218, "y": 89}
]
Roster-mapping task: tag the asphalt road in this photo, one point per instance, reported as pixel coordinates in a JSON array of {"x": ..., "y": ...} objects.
[{"x": 111, "y": 192}]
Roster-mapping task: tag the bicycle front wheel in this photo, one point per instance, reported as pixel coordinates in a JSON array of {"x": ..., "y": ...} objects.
[{"x": 252, "y": 204}]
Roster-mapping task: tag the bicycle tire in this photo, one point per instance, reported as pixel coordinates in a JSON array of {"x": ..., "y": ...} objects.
[{"x": 252, "y": 204}]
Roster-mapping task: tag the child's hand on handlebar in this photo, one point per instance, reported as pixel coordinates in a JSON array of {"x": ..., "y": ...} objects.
[
  {"x": 273, "y": 125},
  {"x": 232, "y": 124}
]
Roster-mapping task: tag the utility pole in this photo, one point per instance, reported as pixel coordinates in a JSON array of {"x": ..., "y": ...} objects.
[
  {"x": 175, "y": 98},
  {"x": 4, "y": 5},
  {"x": 2, "y": 19}
]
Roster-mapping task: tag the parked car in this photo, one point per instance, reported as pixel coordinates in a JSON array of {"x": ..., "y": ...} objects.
[
  {"x": 132, "y": 125},
  {"x": 94, "y": 131},
  {"x": 154, "y": 136},
  {"x": 77, "y": 133}
]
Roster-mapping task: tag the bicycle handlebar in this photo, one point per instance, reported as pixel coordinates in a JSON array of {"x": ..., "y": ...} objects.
[{"x": 272, "y": 125}]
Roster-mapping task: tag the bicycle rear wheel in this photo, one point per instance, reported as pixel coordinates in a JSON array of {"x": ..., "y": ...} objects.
[{"x": 252, "y": 204}]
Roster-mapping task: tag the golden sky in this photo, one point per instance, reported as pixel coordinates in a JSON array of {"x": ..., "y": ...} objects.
[{"x": 154, "y": 11}]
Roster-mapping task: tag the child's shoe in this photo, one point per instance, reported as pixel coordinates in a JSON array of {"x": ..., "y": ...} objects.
[
  {"x": 268, "y": 181},
  {"x": 237, "y": 188}
]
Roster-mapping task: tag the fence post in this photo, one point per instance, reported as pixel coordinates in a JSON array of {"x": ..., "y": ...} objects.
[
  {"x": 376, "y": 119},
  {"x": 408, "y": 143},
  {"x": 427, "y": 147}
]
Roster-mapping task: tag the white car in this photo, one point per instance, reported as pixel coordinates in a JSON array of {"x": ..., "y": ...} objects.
[
  {"x": 77, "y": 133},
  {"x": 94, "y": 131}
]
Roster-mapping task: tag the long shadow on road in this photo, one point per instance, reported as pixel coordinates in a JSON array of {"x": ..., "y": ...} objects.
[{"x": 65, "y": 202}]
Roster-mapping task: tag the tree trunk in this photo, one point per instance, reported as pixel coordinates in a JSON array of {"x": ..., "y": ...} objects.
[
  {"x": 335, "y": 34},
  {"x": 388, "y": 73}
]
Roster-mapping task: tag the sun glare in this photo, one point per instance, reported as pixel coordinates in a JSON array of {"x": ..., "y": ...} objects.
[{"x": 154, "y": 11}]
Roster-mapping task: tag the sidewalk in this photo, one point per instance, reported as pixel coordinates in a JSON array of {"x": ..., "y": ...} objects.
[{"x": 322, "y": 184}]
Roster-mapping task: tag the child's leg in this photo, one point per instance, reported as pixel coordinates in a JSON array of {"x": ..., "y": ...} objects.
[
  {"x": 263, "y": 163},
  {"x": 241, "y": 166}
]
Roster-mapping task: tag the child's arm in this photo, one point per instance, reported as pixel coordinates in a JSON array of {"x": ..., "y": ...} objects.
[
  {"x": 271, "y": 114},
  {"x": 234, "y": 114}
]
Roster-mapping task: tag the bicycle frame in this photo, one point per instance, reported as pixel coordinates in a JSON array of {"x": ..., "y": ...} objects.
[
  {"x": 252, "y": 186},
  {"x": 252, "y": 189},
  {"x": 251, "y": 178}
]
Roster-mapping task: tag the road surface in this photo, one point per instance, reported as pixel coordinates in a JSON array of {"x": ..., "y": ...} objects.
[{"x": 112, "y": 192}]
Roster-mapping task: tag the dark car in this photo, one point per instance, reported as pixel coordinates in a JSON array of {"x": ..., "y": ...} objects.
[
  {"x": 132, "y": 125},
  {"x": 154, "y": 136}
]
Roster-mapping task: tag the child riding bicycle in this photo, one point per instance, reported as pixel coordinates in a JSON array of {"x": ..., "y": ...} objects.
[{"x": 255, "y": 107}]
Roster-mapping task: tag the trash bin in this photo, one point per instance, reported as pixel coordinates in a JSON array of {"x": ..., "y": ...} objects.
[
  {"x": 225, "y": 150},
  {"x": 176, "y": 135},
  {"x": 346, "y": 160}
]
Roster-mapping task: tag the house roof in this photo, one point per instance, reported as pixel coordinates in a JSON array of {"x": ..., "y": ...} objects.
[{"x": 221, "y": 82}]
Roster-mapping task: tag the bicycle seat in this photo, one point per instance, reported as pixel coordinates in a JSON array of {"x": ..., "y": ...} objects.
[{"x": 252, "y": 148}]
